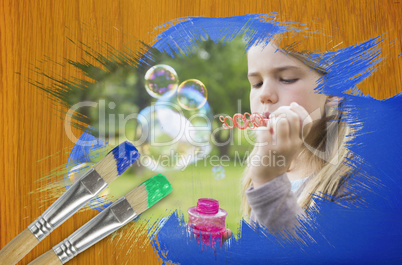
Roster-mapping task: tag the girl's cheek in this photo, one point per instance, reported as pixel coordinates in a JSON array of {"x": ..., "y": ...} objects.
[{"x": 253, "y": 104}]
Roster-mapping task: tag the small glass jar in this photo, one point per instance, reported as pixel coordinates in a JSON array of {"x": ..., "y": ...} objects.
[{"x": 207, "y": 221}]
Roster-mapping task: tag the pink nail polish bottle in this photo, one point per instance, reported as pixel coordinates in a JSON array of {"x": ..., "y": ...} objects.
[{"x": 207, "y": 221}]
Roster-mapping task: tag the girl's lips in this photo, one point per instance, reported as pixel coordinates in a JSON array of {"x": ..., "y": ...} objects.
[{"x": 265, "y": 115}]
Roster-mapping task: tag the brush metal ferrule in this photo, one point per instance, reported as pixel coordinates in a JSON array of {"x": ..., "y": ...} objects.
[
  {"x": 109, "y": 220},
  {"x": 81, "y": 192}
]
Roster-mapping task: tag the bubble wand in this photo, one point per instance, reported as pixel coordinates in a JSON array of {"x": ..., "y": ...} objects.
[{"x": 256, "y": 119}]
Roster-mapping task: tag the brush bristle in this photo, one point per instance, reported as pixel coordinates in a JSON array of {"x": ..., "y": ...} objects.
[
  {"x": 107, "y": 168},
  {"x": 138, "y": 199},
  {"x": 125, "y": 154},
  {"x": 148, "y": 193},
  {"x": 117, "y": 161}
]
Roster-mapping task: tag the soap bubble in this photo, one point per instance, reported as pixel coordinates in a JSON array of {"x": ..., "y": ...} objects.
[
  {"x": 192, "y": 94},
  {"x": 218, "y": 172},
  {"x": 161, "y": 80},
  {"x": 171, "y": 138}
]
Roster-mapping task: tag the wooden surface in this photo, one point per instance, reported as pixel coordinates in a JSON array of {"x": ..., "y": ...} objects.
[
  {"x": 48, "y": 258},
  {"x": 35, "y": 34}
]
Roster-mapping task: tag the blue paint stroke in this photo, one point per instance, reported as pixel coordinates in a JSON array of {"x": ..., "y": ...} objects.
[
  {"x": 83, "y": 147},
  {"x": 125, "y": 155},
  {"x": 84, "y": 151},
  {"x": 368, "y": 233},
  {"x": 182, "y": 37}
]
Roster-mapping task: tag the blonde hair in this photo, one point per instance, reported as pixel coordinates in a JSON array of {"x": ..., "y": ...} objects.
[{"x": 329, "y": 167}]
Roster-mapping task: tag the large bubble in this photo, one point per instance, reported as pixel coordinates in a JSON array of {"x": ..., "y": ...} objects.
[
  {"x": 192, "y": 94},
  {"x": 161, "y": 80},
  {"x": 170, "y": 138}
]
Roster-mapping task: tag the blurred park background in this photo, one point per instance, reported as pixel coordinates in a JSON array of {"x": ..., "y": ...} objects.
[{"x": 222, "y": 67}]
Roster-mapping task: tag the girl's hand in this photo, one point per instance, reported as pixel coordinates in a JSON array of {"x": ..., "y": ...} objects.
[
  {"x": 279, "y": 142},
  {"x": 227, "y": 235}
]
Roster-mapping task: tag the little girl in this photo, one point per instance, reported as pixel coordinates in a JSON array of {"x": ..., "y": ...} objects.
[{"x": 305, "y": 133}]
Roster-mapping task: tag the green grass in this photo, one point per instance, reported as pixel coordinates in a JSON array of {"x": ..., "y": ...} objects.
[{"x": 196, "y": 181}]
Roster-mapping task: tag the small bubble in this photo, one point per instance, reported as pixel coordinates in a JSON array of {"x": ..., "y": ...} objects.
[
  {"x": 192, "y": 94},
  {"x": 112, "y": 105},
  {"x": 160, "y": 80},
  {"x": 218, "y": 172}
]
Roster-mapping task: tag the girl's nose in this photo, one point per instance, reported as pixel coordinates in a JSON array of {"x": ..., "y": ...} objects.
[{"x": 268, "y": 93}]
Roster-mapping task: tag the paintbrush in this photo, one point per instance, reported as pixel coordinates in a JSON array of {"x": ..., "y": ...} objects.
[
  {"x": 86, "y": 188},
  {"x": 117, "y": 215}
]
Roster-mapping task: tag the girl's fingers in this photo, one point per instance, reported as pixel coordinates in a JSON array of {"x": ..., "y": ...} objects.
[
  {"x": 281, "y": 128},
  {"x": 294, "y": 124},
  {"x": 227, "y": 235},
  {"x": 264, "y": 137},
  {"x": 306, "y": 120},
  {"x": 286, "y": 123},
  {"x": 293, "y": 120}
]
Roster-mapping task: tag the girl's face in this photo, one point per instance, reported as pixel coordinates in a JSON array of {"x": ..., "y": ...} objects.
[{"x": 278, "y": 79}]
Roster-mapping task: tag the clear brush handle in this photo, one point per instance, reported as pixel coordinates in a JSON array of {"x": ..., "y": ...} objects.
[
  {"x": 109, "y": 220},
  {"x": 79, "y": 194}
]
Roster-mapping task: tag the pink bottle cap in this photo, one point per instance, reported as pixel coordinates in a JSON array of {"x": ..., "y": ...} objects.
[{"x": 207, "y": 206}]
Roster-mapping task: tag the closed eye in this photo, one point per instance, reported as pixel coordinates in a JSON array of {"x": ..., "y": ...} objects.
[
  {"x": 289, "y": 81},
  {"x": 258, "y": 85}
]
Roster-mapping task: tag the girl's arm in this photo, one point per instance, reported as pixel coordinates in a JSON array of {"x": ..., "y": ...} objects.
[
  {"x": 272, "y": 202},
  {"x": 278, "y": 143},
  {"x": 274, "y": 205}
]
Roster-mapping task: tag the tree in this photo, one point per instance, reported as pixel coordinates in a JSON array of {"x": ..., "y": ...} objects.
[
  {"x": 119, "y": 79},
  {"x": 222, "y": 67}
]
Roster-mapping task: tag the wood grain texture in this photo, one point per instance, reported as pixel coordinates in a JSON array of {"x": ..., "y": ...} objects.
[{"x": 33, "y": 140}]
